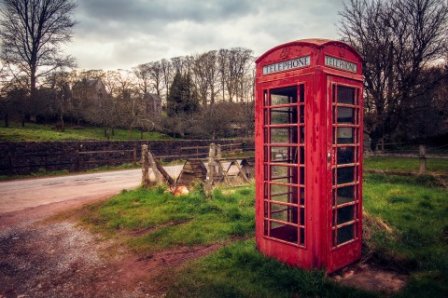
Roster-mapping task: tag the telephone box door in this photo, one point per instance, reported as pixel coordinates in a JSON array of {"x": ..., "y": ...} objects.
[{"x": 344, "y": 107}]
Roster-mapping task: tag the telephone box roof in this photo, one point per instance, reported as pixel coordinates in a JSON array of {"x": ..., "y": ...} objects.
[{"x": 313, "y": 42}]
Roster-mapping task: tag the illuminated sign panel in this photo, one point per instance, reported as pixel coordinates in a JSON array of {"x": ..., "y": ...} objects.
[{"x": 287, "y": 65}]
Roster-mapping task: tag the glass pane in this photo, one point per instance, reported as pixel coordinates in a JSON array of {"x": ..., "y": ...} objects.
[
  {"x": 284, "y": 115},
  {"x": 284, "y": 154},
  {"x": 284, "y": 174},
  {"x": 284, "y": 135},
  {"x": 302, "y": 216},
  {"x": 346, "y": 95},
  {"x": 346, "y": 115},
  {"x": 284, "y": 213},
  {"x": 284, "y": 95},
  {"x": 302, "y": 135},
  {"x": 302, "y": 155},
  {"x": 302, "y": 114},
  {"x": 302, "y": 236},
  {"x": 302, "y": 93},
  {"x": 302, "y": 175},
  {"x": 345, "y": 195},
  {"x": 345, "y": 135},
  {"x": 284, "y": 193},
  {"x": 346, "y": 175},
  {"x": 346, "y": 155},
  {"x": 283, "y": 232},
  {"x": 345, "y": 234},
  {"x": 345, "y": 214}
]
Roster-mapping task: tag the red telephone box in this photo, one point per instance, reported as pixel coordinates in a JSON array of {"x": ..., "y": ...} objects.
[{"x": 309, "y": 137}]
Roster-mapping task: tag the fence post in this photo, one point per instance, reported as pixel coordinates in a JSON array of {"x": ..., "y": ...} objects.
[
  {"x": 422, "y": 158},
  {"x": 134, "y": 155},
  {"x": 211, "y": 164},
  {"x": 145, "y": 166},
  {"x": 78, "y": 161},
  {"x": 153, "y": 165}
]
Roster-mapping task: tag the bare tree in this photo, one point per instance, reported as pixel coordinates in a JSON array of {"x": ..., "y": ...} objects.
[
  {"x": 59, "y": 83},
  {"x": 32, "y": 32},
  {"x": 223, "y": 62},
  {"x": 397, "y": 40},
  {"x": 167, "y": 74},
  {"x": 211, "y": 74},
  {"x": 200, "y": 77},
  {"x": 143, "y": 75},
  {"x": 155, "y": 73}
]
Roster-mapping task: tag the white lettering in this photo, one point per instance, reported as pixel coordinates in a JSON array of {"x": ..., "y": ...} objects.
[
  {"x": 287, "y": 65},
  {"x": 341, "y": 64}
]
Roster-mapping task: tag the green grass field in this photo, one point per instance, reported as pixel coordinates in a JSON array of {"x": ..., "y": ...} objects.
[
  {"x": 413, "y": 207},
  {"x": 46, "y": 133},
  {"x": 405, "y": 164}
]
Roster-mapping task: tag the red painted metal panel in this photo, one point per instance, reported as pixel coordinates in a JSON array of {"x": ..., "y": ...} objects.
[{"x": 320, "y": 68}]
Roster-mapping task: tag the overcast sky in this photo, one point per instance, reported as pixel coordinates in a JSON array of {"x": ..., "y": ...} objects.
[{"x": 113, "y": 34}]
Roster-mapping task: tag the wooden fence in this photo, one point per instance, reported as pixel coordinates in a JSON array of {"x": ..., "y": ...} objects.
[{"x": 29, "y": 158}]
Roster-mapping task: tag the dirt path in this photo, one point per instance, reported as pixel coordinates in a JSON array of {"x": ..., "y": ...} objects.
[
  {"x": 28, "y": 200},
  {"x": 63, "y": 260},
  {"x": 21, "y": 194},
  {"x": 41, "y": 258}
]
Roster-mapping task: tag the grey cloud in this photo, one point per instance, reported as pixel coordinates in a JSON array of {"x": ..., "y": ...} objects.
[
  {"x": 166, "y": 10},
  {"x": 125, "y": 33}
]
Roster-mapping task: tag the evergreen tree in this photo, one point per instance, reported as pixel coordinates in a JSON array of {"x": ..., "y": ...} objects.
[{"x": 182, "y": 98}]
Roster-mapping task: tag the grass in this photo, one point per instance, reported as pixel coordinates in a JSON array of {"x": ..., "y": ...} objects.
[
  {"x": 46, "y": 133},
  {"x": 418, "y": 213},
  {"x": 405, "y": 164},
  {"x": 188, "y": 220},
  {"x": 154, "y": 220},
  {"x": 239, "y": 270}
]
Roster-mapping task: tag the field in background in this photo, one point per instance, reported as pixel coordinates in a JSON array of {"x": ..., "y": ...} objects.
[
  {"x": 43, "y": 133},
  {"x": 405, "y": 164}
]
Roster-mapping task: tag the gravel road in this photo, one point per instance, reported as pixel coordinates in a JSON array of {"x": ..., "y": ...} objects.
[{"x": 32, "y": 199}]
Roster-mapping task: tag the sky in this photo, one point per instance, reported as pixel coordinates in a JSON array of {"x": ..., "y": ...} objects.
[{"x": 120, "y": 34}]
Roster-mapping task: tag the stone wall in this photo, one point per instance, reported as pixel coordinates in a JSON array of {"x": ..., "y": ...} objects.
[{"x": 27, "y": 157}]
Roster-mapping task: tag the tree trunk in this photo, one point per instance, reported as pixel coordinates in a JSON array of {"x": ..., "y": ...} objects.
[
  {"x": 61, "y": 122},
  {"x": 422, "y": 158},
  {"x": 6, "y": 120},
  {"x": 212, "y": 96},
  {"x": 33, "y": 81}
]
